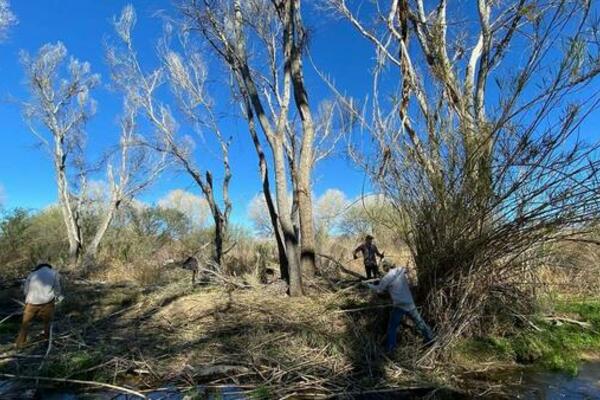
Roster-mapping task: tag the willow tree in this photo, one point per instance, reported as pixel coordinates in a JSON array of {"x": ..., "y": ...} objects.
[{"x": 478, "y": 148}]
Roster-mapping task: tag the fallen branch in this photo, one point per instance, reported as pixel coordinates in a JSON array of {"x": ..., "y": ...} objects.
[
  {"x": 10, "y": 316},
  {"x": 341, "y": 266},
  {"x": 221, "y": 277},
  {"x": 350, "y": 310},
  {"x": 11, "y": 356},
  {"x": 76, "y": 381},
  {"x": 18, "y": 302},
  {"x": 47, "y": 351},
  {"x": 583, "y": 324},
  {"x": 580, "y": 240}
]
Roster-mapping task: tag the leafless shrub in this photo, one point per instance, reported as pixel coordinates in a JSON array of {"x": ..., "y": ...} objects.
[{"x": 482, "y": 175}]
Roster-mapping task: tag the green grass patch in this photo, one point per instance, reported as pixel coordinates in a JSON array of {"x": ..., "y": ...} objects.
[
  {"x": 75, "y": 365},
  {"x": 261, "y": 393},
  {"x": 557, "y": 346}
]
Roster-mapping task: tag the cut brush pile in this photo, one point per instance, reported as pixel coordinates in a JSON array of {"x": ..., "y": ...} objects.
[{"x": 254, "y": 338}]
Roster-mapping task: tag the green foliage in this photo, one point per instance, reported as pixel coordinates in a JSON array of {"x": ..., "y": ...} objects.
[
  {"x": 555, "y": 347},
  {"x": 27, "y": 238},
  {"x": 138, "y": 232},
  {"x": 76, "y": 364},
  {"x": 373, "y": 215},
  {"x": 261, "y": 393}
]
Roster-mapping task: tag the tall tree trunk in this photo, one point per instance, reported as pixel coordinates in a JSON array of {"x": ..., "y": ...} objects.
[
  {"x": 283, "y": 259},
  {"x": 287, "y": 227},
  {"x": 219, "y": 219},
  {"x": 275, "y": 140},
  {"x": 266, "y": 186},
  {"x": 69, "y": 215},
  {"x": 219, "y": 238},
  {"x": 92, "y": 248},
  {"x": 304, "y": 189}
]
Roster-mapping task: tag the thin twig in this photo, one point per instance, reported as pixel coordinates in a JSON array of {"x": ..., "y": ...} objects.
[{"x": 76, "y": 381}]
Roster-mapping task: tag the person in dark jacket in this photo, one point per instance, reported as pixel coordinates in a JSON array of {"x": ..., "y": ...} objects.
[{"x": 370, "y": 252}]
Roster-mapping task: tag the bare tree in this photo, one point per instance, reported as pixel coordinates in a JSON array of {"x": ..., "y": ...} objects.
[
  {"x": 224, "y": 26},
  {"x": 478, "y": 149},
  {"x": 7, "y": 18},
  {"x": 265, "y": 83},
  {"x": 136, "y": 170},
  {"x": 61, "y": 102},
  {"x": 63, "y": 105},
  {"x": 258, "y": 213},
  {"x": 187, "y": 80},
  {"x": 194, "y": 207},
  {"x": 330, "y": 207}
]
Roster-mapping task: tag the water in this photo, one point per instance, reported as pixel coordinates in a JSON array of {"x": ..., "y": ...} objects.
[
  {"x": 533, "y": 386},
  {"x": 553, "y": 386},
  {"x": 21, "y": 391}
]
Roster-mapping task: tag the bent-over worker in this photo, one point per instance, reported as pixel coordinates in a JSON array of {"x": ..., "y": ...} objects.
[
  {"x": 369, "y": 252},
  {"x": 42, "y": 288},
  {"x": 396, "y": 283}
]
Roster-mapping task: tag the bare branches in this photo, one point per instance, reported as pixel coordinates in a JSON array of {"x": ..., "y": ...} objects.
[
  {"x": 186, "y": 75},
  {"x": 7, "y": 19},
  {"x": 483, "y": 176},
  {"x": 62, "y": 105},
  {"x": 264, "y": 86}
]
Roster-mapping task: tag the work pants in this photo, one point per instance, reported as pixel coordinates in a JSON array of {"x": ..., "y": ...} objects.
[
  {"x": 396, "y": 316},
  {"x": 45, "y": 312},
  {"x": 372, "y": 271}
]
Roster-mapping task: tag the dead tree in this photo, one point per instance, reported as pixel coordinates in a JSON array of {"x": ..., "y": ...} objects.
[
  {"x": 478, "y": 149},
  {"x": 265, "y": 85},
  {"x": 62, "y": 104},
  {"x": 136, "y": 170},
  {"x": 187, "y": 79}
]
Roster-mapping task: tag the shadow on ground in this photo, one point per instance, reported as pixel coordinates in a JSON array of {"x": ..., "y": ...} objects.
[{"x": 257, "y": 340}]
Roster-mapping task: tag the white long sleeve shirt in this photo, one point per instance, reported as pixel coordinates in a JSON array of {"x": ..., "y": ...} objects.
[
  {"x": 396, "y": 283},
  {"x": 42, "y": 286}
]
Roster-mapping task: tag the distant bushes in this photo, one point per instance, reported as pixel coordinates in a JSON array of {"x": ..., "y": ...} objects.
[
  {"x": 140, "y": 239},
  {"x": 27, "y": 238}
]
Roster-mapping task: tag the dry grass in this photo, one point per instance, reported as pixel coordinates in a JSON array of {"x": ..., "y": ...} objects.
[
  {"x": 147, "y": 326},
  {"x": 213, "y": 335}
]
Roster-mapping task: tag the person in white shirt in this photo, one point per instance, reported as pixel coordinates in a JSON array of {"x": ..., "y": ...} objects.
[
  {"x": 395, "y": 282},
  {"x": 42, "y": 288}
]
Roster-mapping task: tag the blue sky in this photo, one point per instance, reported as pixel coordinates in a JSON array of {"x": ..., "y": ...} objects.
[{"x": 26, "y": 173}]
